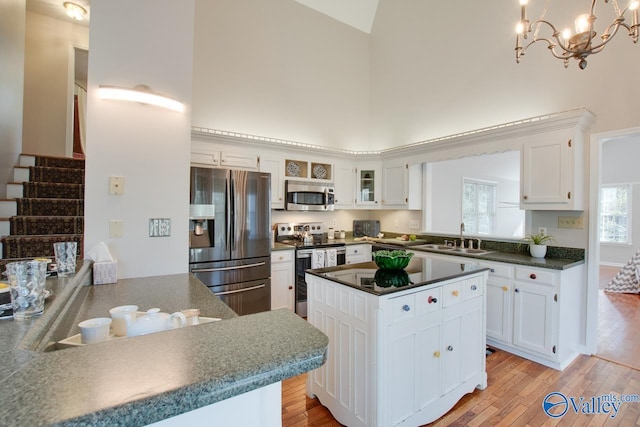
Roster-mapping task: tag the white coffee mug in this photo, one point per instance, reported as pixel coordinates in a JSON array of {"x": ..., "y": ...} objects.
[
  {"x": 119, "y": 316},
  {"x": 94, "y": 330}
]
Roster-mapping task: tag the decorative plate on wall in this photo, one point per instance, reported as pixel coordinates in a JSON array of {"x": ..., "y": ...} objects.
[
  {"x": 293, "y": 169},
  {"x": 319, "y": 172}
]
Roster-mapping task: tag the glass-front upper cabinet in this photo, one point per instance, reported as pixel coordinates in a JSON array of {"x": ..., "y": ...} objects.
[{"x": 368, "y": 180}]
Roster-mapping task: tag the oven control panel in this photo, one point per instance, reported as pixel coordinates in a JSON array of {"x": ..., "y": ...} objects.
[{"x": 297, "y": 229}]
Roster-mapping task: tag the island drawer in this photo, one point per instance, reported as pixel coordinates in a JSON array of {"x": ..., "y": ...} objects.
[
  {"x": 415, "y": 304},
  {"x": 462, "y": 290}
]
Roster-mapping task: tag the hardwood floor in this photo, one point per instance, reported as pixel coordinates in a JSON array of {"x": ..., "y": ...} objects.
[{"x": 513, "y": 398}]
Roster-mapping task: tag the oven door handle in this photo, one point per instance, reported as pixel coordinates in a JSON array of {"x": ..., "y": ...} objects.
[
  {"x": 238, "y": 267},
  {"x": 237, "y": 291}
]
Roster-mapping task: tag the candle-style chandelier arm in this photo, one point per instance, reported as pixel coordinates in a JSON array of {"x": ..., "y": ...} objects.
[{"x": 581, "y": 44}]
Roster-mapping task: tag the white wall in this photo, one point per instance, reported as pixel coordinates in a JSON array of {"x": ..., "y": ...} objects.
[
  {"x": 443, "y": 67},
  {"x": 12, "y": 27},
  {"x": 620, "y": 166},
  {"x": 280, "y": 69},
  {"x": 49, "y": 48},
  {"x": 151, "y": 44}
]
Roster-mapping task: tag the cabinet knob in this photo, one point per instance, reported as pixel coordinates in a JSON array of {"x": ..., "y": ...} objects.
[
  {"x": 493, "y": 270},
  {"x": 450, "y": 348},
  {"x": 517, "y": 290},
  {"x": 281, "y": 258},
  {"x": 432, "y": 300},
  {"x": 455, "y": 293},
  {"x": 436, "y": 354},
  {"x": 526, "y": 197},
  {"x": 290, "y": 287},
  {"x": 532, "y": 276},
  {"x": 474, "y": 288},
  {"x": 505, "y": 288},
  {"x": 406, "y": 307}
]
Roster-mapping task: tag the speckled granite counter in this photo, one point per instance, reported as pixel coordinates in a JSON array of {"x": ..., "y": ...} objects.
[{"x": 137, "y": 381}]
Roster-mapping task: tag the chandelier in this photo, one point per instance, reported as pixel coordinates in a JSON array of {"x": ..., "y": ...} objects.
[{"x": 562, "y": 44}]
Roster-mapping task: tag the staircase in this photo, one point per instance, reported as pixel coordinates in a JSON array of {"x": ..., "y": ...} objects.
[{"x": 44, "y": 205}]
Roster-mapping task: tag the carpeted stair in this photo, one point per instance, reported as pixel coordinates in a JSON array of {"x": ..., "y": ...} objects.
[{"x": 51, "y": 209}]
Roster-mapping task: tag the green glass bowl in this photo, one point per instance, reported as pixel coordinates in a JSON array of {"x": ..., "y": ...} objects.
[
  {"x": 389, "y": 278},
  {"x": 392, "y": 260}
]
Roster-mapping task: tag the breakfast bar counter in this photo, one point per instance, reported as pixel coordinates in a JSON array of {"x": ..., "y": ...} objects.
[{"x": 142, "y": 380}]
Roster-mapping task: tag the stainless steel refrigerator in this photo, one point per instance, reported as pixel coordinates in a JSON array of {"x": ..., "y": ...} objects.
[{"x": 229, "y": 236}]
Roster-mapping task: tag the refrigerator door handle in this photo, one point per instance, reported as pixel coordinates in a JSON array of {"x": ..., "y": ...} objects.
[
  {"x": 227, "y": 212},
  {"x": 232, "y": 227},
  {"x": 237, "y": 291},
  {"x": 239, "y": 267}
]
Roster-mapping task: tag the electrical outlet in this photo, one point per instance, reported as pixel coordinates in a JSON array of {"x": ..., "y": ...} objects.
[
  {"x": 570, "y": 222},
  {"x": 335, "y": 222},
  {"x": 116, "y": 229},
  {"x": 414, "y": 225},
  {"x": 542, "y": 230},
  {"x": 159, "y": 227}
]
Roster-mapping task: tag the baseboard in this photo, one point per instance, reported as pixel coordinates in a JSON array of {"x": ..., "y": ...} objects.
[{"x": 611, "y": 264}]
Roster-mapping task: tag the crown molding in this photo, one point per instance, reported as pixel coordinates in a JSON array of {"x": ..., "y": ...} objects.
[{"x": 580, "y": 118}]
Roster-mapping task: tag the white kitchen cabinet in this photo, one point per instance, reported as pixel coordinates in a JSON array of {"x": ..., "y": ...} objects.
[
  {"x": 416, "y": 352},
  {"x": 534, "y": 312},
  {"x": 201, "y": 156},
  {"x": 344, "y": 186},
  {"x": 357, "y": 253},
  {"x": 402, "y": 186},
  {"x": 552, "y": 173},
  {"x": 282, "y": 280},
  {"x": 276, "y": 168},
  {"x": 368, "y": 186}
]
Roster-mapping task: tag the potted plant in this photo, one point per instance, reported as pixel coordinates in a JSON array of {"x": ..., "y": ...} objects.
[{"x": 537, "y": 244}]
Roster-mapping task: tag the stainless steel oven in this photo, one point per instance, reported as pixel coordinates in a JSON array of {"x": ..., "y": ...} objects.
[
  {"x": 304, "y": 261},
  {"x": 308, "y": 196}
]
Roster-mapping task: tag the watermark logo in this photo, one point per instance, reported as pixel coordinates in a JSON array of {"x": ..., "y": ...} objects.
[{"x": 556, "y": 404}]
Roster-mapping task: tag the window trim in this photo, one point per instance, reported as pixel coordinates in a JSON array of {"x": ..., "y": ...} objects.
[
  {"x": 629, "y": 241},
  {"x": 494, "y": 217}
]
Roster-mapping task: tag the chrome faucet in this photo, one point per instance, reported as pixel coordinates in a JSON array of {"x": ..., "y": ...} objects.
[{"x": 461, "y": 236}]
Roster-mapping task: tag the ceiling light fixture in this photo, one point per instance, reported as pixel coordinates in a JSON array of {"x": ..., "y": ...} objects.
[
  {"x": 581, "y": 44},
  {"x": 75, "y": 11},
  {"x": 140, "y": 94}
]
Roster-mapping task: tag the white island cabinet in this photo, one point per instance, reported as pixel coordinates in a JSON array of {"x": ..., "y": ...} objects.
[{"x": 399, "y": 357}]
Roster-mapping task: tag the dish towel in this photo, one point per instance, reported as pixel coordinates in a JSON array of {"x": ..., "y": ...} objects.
[
  {"x": 317, "y": 258},
  {"x": 331, "y": 258}
]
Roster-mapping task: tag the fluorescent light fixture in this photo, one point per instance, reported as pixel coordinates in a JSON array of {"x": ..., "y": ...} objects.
[
  {"x": 139, "y": 94},
  {"x": 75, "y": 11}
]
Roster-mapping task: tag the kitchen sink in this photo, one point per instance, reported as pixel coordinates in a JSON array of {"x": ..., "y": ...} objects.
[{"x": 452, "y": 249}]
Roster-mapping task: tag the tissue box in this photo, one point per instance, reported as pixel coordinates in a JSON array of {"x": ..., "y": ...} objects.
[{"x": 105, "y": 272}]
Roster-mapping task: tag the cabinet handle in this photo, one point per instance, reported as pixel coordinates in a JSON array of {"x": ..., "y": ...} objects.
[
  {"x": 432, "y": 300},
  {"x": 455, "y": 293},
  {"x": 406, "y": 307},
  {"x": 450, "y": 348},
  {"x": 532, "y": 276},
  {"x": 505, "y": 288},
  {"x": 290, "y": 287},
  {"x": 436, "y": 354},
  {"x": 474, "y": 288},
  {"x": 517, "y": 290}
]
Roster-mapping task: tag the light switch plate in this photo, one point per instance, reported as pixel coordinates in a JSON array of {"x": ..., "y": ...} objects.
[
  {"x": 414, "y": 225},
  {"x": 116, "y": 229},
  {"x": 159, "y": 227},
  {"x": 570, "y": 222}
]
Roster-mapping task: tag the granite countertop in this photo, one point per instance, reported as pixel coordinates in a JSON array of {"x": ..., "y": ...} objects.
[
  {"x": 140, "y": 380},
  {"x": 369, "y": 278}
]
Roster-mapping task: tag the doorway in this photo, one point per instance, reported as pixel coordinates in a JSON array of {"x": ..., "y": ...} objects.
[
  {"x": 77, "y": 101},
  {"x": 611, "y": 317}
]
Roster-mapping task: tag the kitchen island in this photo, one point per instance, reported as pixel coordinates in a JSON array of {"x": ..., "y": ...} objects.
[
  {"x": 157, "y": 378},
  {"x": 404, "y": 345}
]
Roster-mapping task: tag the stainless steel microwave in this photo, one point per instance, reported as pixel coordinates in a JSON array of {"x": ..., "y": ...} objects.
[{"x": 308, "y": 196}]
